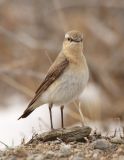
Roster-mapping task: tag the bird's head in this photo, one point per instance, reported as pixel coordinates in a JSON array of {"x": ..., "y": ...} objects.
[{"x": 73, "y": 41}]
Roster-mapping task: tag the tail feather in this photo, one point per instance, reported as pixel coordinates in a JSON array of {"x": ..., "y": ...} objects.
[
  {"x": 30, "y": 109},
  {"x": 26, "y": 113}
]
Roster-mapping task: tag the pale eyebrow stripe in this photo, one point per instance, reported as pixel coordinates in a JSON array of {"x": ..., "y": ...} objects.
[{"x": 66, "y": 36}]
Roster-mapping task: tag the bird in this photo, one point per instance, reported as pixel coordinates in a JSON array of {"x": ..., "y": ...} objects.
[{"x": 65, "y": 79}]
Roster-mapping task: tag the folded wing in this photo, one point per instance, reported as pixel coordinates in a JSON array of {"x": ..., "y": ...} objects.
[{"x": 54, "y": 72}]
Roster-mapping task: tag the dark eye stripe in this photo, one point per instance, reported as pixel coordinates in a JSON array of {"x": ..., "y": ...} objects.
[{"x": 70, "y": 39}]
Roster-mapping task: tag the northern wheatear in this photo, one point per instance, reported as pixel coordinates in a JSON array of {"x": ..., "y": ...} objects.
[{"x": 66, "y": 78}]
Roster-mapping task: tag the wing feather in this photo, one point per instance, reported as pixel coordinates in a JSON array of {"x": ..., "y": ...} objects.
[{"x": 51, "y": 76}]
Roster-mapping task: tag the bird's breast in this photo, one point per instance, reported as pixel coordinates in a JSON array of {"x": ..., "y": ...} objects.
[{"x": 68, "y": 86}]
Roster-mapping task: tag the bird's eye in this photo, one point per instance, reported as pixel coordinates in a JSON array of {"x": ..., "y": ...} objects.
[{"x": 69, "y": 39}]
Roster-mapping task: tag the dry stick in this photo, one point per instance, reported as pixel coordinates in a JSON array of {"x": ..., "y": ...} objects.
[
  {"x": 14, "y": 64},
  {"x": 48, "y": 57},
  {"x": 105, "y": 80},
  {"x": 43, "y": 122},
  {"x": 66, "y": 135},
  {"x": 24, "y": 39},
  {"x": 4, "y": 144},
  {"x": 80, "y": 112},
  {"x": 73, "y": 114},
  {"x": 21, "y": 72},
  {"x": 15, "y": 84},
  {"x": 89, "y": 4}
]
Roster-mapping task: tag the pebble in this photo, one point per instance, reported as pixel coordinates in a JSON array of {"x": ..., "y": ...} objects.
[
  {"x": 117, "y": 140},
  {"x": 120, "y": 151},
  {"x": 121, "y": 157},
  {"x": 72, "y": 143},
  {"x": 74, "y": 146},
  {"x": 65, "y": 150},
  {"x": 115, "y": 155},
  {"x": 76, "y": 150},
  {"x": 101, "y": 144},
  {"x": 97, "y": 154},
  {"x": 78, "y": 156},
  {"x": 13, "y": 158},
  {"x": 103, "y": 158},
  {"x": 49, "y": 155},
  {"x": 36, "y": 157},
  {"x": 56, "y": 142}
]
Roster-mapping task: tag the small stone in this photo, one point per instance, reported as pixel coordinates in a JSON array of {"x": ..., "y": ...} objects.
[
  {"x": 120, "y": 151},
  {"x": 72, "y": 143},
  {"x": 79, "y": 156},
  {"x": 49, "y": 155},
  {"x": 95, "y": 156},
  {"x": 101, "y": 144},
  {"x": 12, "y": 158},
  {"x": 117, "y": 140},
  {"x": 39, "y": 157},
  {"x": 115, "y": 155},
  {"x": 121, "y": 157},
  {"x": 97, "y": 153},
  {"x": 103, "y": 158},
  {"x": 76, "y": 150},
  {"x": 30, "y": 157},
  {"x": 80, "y": 143},
  {"x": 36, "y": 157},
  {"x": 65, "y": 150},
  {"x": 87, "y": 156},
  {"x": 74, "y": 146},
  {"x": 56, "y": 142}
]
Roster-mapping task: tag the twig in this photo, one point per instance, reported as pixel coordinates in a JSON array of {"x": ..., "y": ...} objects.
[
  {"x": 16, "y": 85},
  {"x": 4, "y": 144},
  {"x": 66, "y": 135}
]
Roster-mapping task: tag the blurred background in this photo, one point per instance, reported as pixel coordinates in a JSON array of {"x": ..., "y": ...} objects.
[{"x": 31, "y": 35}]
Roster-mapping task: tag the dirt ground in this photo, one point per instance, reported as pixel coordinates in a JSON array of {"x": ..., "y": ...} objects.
[{"x": 93, "y": 147}]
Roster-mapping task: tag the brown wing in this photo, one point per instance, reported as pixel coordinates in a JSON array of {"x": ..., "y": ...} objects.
[{"x": 51, "y": 76}]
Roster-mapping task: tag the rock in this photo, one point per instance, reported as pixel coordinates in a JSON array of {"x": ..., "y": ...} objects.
[
  {"x": 36, "y": 157},
  {"x": 49, "y": 155},
  {"x": 97, "y": 154},
  {"x": 103, "y": 158},
  {"x": 12, "y": 158},
  {"x": 65, "y": 150},
  {"x": 56, "y": 142},
  {"x": 72, "y": 143},
  {"x": 115, "y": 155},
  {"x": 117, "y": 140},
  {"x": 39, "y": 157},
  {"x": 120, "y": 151},
  {"x": 121, "y": 157},
  {"x": 78, "y": 156},
  {"x": 101, "y": 144}
]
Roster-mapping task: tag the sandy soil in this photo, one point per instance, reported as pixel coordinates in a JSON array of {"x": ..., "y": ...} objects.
[{"x": 95, "y": 147}]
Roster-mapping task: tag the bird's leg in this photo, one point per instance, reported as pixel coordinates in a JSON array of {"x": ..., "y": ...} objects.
[
  {"x": 50, "y": 112},
  {"x": 62, "y": 122}
]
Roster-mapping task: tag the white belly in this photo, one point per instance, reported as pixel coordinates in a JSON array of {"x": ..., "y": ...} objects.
[{"x": 66, "y": 88}]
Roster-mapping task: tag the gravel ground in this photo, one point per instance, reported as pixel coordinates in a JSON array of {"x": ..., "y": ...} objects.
[{"x": 95, "y": 148}]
